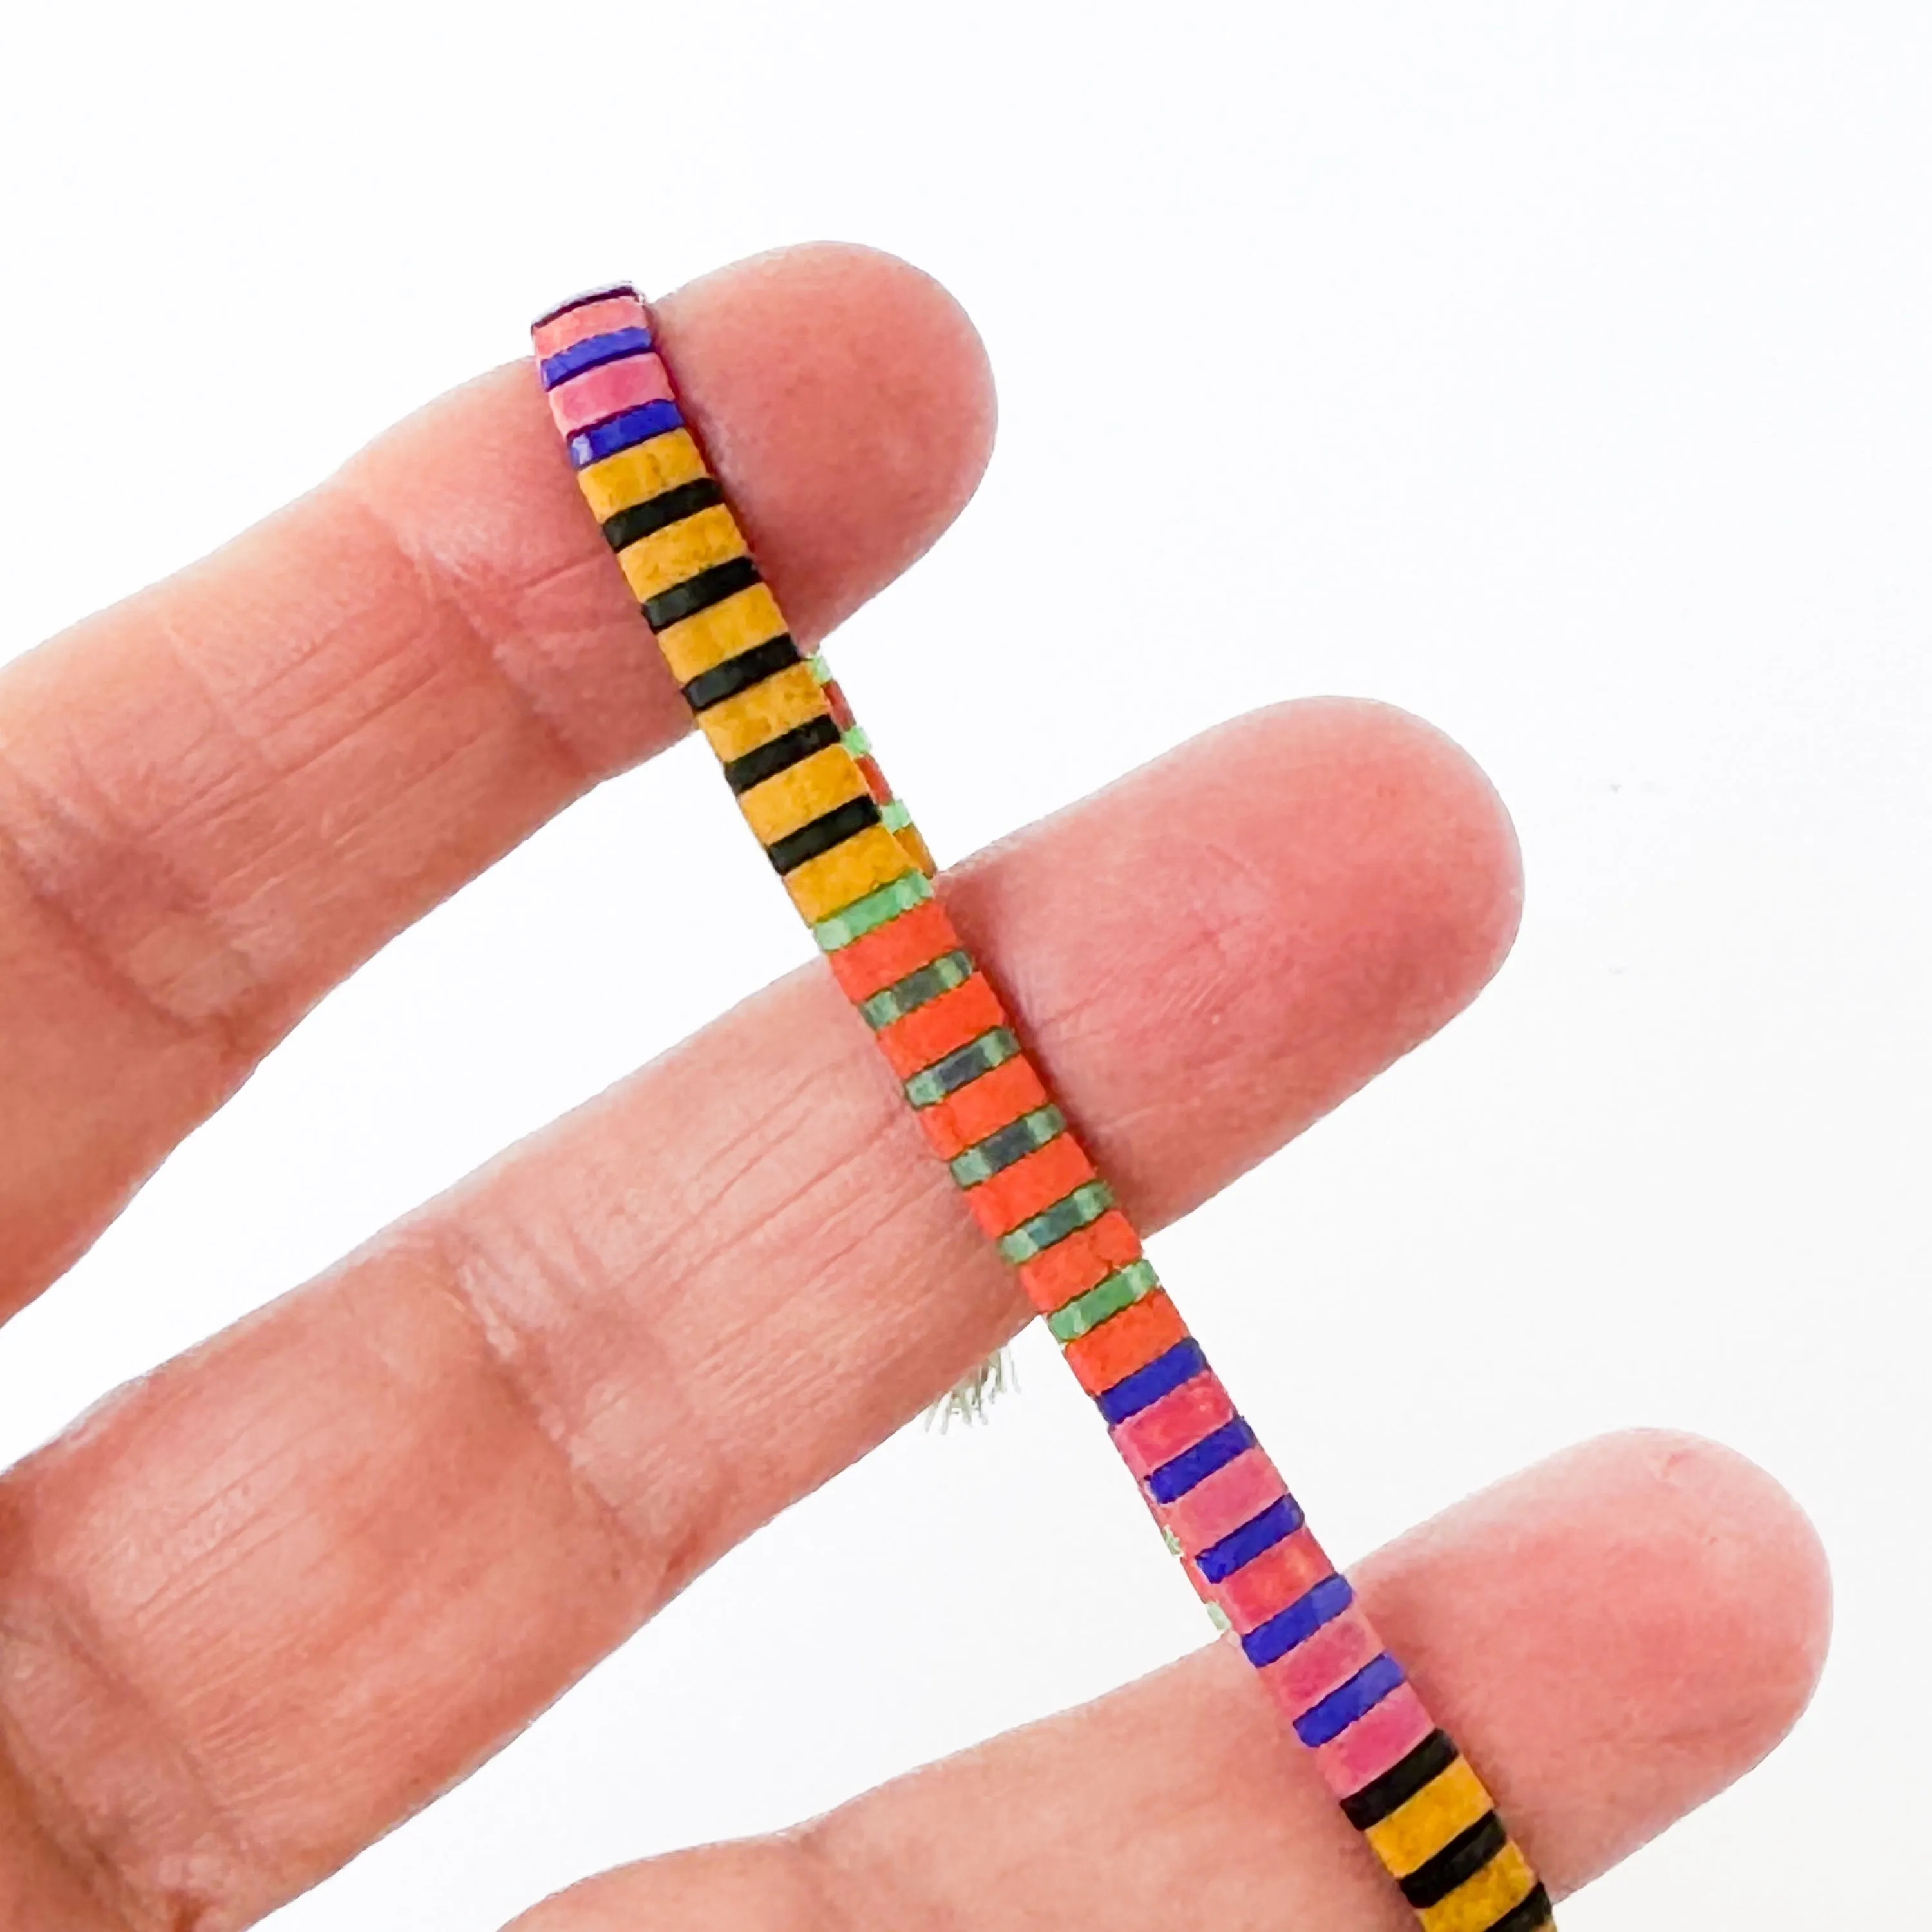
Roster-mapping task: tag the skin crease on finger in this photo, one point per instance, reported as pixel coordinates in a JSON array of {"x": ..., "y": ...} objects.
[
  {"x": 217, "y": 798},
  {"x": 1615, "y": 1635},
  {"x": 245, "y": 1603}
]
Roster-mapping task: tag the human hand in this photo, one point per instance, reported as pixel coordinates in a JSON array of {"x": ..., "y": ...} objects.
[{"x": 272, "y": 1599}]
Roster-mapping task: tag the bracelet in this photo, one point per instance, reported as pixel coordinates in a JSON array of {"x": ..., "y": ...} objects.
[{"x": 858, "y": 873}]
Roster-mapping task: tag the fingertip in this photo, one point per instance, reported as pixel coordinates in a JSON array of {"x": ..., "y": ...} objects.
[
  {"x": 1656, "y": 1609},
  {"x": 846, "y": 398},
  {"x": 1321, "y": 884},
  {"x": 842, "y": 394},
  {"x": 1421, "y": 820},
  {"x": 1751, "y": 1559}
]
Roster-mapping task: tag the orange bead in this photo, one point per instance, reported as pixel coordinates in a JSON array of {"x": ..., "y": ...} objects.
[
  {"x": 1017, "y": 1193},
  {"x": 1129, "y": 1341},
  {"x": 994, "y": 1100},
  {"x": 1083, "y": 1261},
  {"x": 931, "y": 1031},
  {"x": 900, "y": 946}
]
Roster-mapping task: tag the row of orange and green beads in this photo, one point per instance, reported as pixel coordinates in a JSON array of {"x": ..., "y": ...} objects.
[{"x": 857, "y": 871}]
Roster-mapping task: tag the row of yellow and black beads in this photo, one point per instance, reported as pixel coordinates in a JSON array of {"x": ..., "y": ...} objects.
[{"x": 857, "y": 871}]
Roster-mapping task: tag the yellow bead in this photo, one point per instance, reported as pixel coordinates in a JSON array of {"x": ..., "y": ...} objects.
[
  {"x": 636, "y": 475},
  {"x": 917, "y": 849},
  {"x": 1416, "y": 1831},
  {"x": 1505, "y": 1882},
  {"x": 831, "y": 881},
  {"x": 745, "y": 618},
  {"x": 768, "y": 710},
  {"x": 679, "y": 550},
  {"x": 807, "y": 790}
]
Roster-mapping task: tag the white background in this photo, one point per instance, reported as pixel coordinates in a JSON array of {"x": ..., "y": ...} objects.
[{"x": 1561, "y": 374}]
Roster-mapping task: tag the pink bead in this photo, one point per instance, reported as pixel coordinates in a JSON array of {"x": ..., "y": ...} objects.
[
  {"x": 1372, "y": 1743},
  {"x": 1274, "y": 1579},
  {"x": 578, "y": 325},
  {"x": 598, "y": 393},
  {"x": 1178, "y": 1421},
  {"x": 1324, "y": 1663},
  {"x": 1214, "y": 1508}
]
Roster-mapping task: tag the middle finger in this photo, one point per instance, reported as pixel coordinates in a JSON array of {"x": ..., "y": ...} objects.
[{"x": 277, "y": 1594}]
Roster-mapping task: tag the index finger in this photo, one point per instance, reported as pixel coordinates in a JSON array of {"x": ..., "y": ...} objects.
[{"x": 218, "y": 798}]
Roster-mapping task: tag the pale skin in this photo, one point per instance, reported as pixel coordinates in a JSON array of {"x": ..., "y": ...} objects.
[{"x": 242, "y": 1606}]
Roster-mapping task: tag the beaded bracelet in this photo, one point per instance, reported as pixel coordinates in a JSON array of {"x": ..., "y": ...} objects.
[{"x": 858, "y": 871}]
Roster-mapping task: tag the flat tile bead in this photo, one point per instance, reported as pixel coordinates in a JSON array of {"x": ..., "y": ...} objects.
[
  {"x": 1419, "y": 1827},
  {"x": 1141, "y": 1389},
  {"x": 1288, "y": 1629},
  {"x": 628, "y": 429},
  {"x": 1382, "y": 1796},
  {"x": 1371, "y": 1744},
  {"x": 875, "y": 779},
  {"x": 1300, "y": 1680},
  {"x": 942, "y": 1026},
  {"x": 834, "y": 879},
  {"x": 636, "y": 475},
  {"x": 581, "y": 321},
  {"x": 1131, "y": 1340},
  {"x": 1103, "y": 1302},
  {"x": 992, "y": 1102},
  {"x": 802, "y": 792},
  {"x": 917, "y": 849},
  {"x": 608, "y": 391},
  {"x": 886, "y": 955},
  {"x": 1277, "y": 1578},
  {"x": 1177, "y": 1422},
  {"x": 1013, "y": 1142},
  {"x": 1083, "y": 1261},
  {"x": 1349, "y": 1701},
  {"x": 888, "y": 901},
  {"x": 1224, "y": 1501},
  {"x": 1052, "y": 1225},
  {"x": 674, "y": 555},
  {"x": 759, "y": 764},
  {"x": 1017, "y": 1192},
  {"x": 1476, "y": 1906},
  {"x": 708, "y": 637},
  {"x": 1275, "y": 1523},
  {"x": 1181, "y": 1473},
  {"x": 920, "y": 987}
]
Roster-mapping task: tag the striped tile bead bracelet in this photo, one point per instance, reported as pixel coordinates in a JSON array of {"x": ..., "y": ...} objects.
[{"x": 858, "y": 872}]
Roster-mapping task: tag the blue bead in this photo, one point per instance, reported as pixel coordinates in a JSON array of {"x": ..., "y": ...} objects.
[
  {"x": 1356, "y": 1698},
  {"x": 1299, "y": 1622},
  {"x": 1275, "y": 1524},
  {"x": 1144, "y": 1386},
  {"x": 592, "y": 353},
  {"x": 623, "y": 432},
  {"x": 1175, "y": 1477}
]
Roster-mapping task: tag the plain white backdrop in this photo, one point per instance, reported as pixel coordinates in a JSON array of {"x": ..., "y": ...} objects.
[{"x": 1561, "y": 373}]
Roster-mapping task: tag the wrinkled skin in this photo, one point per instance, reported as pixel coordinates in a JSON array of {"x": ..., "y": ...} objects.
[{"x": 242, "y": 1604}]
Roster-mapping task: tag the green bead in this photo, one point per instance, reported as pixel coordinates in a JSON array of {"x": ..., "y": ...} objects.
[
  {"x": 1087, "y": 1312},
  {"x": 907, "y": 995},
  {"x": 1001, "y": 1149},
  {"x": 868, "y": 914},
  {"x": 1085, "y": 1205},
  {"x": 962, "y": 1067}
]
